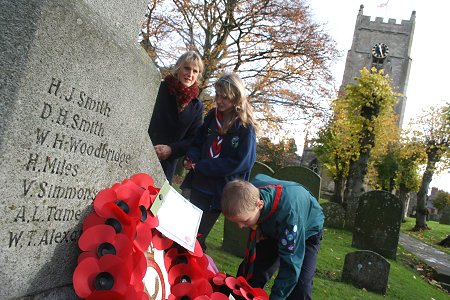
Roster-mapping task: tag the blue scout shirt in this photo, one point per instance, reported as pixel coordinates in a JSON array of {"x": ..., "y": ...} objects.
[
  {"x": 237, "y": 157},
  {"x": 298, "y": 217}
]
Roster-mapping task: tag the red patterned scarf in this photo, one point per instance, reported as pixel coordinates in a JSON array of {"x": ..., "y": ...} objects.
[
  {"x": 183, "y": 94},
  {"x": 216, "y": 146}
]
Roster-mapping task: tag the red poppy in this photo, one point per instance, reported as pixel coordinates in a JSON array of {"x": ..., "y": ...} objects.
[
  {"x": 159, "y": 241},
  {"x": 143, "y": 180},
  {"x": 146, "y": 195},
  {"x": 219, "y": 278},
  {"x": 187, "y": 272},
  {"x": 138, "y": 267},
  {"x": 107, "y": 295},
  {"x": 190, "y": 289},
  {"x": 120, "y": 224},
  {"x": 122, "y": 201},
  {"x": 240, "y": 287},
  {"x": 143, "y": 236},
  {"x": 102, "y": 239},
  {"x": 179, "y": 255},
  {"x": 214, "y": 296},
  {"x": 198, "y": 251},
  {"x": 110, "y": 273},
  {"x": 153, "y": 192}
]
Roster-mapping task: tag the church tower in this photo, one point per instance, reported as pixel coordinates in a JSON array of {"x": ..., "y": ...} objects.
[{"x": 383, "y": 46}]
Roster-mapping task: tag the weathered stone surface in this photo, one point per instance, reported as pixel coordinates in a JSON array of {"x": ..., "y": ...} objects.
[
  {"x": 334, "y": 215},
  {"x": 366, "y": 269},
  {"x": 377, "y": 223},
  {"x": 77, "y": 93}
]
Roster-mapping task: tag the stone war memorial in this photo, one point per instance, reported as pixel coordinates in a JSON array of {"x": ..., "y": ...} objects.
[{"x": 77, "y": 93}]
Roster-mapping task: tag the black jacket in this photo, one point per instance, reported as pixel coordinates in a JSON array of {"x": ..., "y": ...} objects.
[{"x": 173, "y": 128}]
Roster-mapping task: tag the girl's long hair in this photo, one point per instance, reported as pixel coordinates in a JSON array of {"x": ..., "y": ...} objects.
[{"x": 231, "y": 86}]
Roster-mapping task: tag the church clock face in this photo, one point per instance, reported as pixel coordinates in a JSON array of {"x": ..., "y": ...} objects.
[{"x": 380, "y": 50}]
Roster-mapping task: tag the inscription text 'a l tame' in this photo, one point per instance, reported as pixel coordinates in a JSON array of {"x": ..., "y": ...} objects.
[{"x": 46, "y": 214}]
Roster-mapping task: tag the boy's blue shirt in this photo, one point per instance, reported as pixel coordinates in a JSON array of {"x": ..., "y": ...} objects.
[
  {"x": 237, "y": 157},
  {"x": 298, "y": 217}
]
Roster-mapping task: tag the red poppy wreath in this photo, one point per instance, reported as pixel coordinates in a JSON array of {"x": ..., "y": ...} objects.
[{"x": 124, "y": 256}]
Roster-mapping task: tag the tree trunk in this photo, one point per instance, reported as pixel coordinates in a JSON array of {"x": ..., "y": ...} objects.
[
  {"x": 421, "y": 211},
  {"x": 403, "y": 195},
  {"x": 338, "y": 194},
  {"x": 354, "y": 186}
]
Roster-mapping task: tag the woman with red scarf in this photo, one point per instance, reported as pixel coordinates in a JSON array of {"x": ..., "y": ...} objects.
[
  {"x": 178, "y": 112},
  {"x": 224, "y": 149}
]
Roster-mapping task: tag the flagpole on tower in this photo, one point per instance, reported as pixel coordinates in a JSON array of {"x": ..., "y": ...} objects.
[{"x": 385, "y": 6}]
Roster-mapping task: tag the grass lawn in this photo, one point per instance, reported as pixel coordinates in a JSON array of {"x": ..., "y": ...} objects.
[
  {"x": 437, "y": 233},
  {"x": 404, "y": 281}
]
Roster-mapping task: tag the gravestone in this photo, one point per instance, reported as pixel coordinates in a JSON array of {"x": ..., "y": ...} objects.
[
  {"x": 377, "y": 223},
  {"x": 306, "y": 177},
  {"x": 445, "y": 218},
  {"x": 261, "y": 168},
  {"x": 334, "y": 215},
  {"x": 366, "y": 269},
  {"x": 77, "y": 93}
]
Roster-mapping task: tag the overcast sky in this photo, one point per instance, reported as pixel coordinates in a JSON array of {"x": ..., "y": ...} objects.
[{"x": 430, "y": 53}]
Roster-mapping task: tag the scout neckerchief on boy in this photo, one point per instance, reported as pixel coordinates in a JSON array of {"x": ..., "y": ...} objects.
[
  {"x": 216, "y": 145},
  {"x": 250, "y": 252}
]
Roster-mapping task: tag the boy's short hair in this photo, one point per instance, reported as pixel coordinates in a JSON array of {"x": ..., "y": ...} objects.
[{"x": 239, "y": 196}]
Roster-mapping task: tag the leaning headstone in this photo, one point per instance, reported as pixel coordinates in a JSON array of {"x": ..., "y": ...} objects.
[
  {"x": 77, "y": 93},
  {"x": 306, "y": 177},
  {"x": 445, "y": 218},
  {"x": 334, "y": 215},
  {"x": 377, "y": 223},
  {"x": 366, "y": 269},
  {"x": 260, "y": 168}
]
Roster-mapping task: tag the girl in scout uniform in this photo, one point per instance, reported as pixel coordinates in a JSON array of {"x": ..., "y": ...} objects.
[{"x": 223, "y": 149}]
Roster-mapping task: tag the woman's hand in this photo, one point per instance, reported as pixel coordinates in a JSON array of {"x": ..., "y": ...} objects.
[{"x": 163, "y": 151}]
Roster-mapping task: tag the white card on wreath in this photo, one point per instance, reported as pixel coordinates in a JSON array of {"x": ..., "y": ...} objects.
[{"x": 178, "y": 218}]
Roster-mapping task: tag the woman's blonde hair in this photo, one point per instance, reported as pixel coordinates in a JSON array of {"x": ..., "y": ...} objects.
[
  {"x": 232, "y": 87},
  {"x": 190, "y": 57}
]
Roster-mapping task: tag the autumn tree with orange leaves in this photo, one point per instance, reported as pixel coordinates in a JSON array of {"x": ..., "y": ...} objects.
[{"x": 282, "y": 55}]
